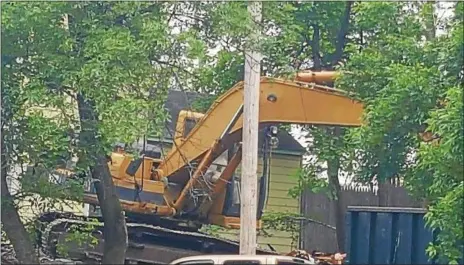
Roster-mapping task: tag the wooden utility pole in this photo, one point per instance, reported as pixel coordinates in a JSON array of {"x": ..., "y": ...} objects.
[{"x": 249, "y": 181}]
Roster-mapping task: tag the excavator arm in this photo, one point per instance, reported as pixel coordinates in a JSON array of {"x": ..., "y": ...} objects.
[{"x": 281, "y": 101}]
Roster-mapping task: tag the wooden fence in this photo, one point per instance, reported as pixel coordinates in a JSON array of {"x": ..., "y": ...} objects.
[{"x": 319, "y": 207}]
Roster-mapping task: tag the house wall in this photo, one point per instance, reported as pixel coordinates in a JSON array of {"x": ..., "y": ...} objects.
[
  {"x": 30, "y": 207},
  {"x": 283, "y": 170}
]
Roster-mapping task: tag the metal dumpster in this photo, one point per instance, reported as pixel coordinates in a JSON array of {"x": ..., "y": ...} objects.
[{"x": 384, "y": 235}]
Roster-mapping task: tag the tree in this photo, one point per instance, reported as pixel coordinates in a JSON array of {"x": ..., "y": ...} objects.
[
  {"x": 400, "y": 70},
  {"x": 11, "y": 221},
  {"x": 101, "y": 55},
  {"x": 26, "y": 139},
  {"x": 314, "y": 36},
  {"x": 410, "y": 79},
  {"x": 103, "y": 70},
  {"x": 439, "y": 172},
  {"x": 396, "y": 74}
]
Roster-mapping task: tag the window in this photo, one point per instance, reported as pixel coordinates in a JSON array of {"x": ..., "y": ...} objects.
[{"x": 188, "y": 126}]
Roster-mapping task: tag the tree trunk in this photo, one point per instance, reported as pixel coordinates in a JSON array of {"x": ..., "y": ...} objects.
[
  {"x": 11, "y": 221},
  {"x": 341, "y": 36},
  {"x": 316, "y": 49},
  {"x": 333, "y": 167},
  {"x": 383, "y": 192},
  {"x": 115, "y": 232}
]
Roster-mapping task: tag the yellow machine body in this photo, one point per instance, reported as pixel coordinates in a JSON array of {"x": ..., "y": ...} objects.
[{"x": 167, "y": 183}]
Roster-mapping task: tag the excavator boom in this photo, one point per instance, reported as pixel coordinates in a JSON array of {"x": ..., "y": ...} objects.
[{"x": 281, "y": 101}]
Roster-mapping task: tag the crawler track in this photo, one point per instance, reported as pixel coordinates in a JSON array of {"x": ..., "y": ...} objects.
[{"x": 148, "y": 244}]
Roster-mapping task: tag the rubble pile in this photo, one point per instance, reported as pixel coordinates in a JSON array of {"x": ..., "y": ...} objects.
[{"x": 320, "y": 258}]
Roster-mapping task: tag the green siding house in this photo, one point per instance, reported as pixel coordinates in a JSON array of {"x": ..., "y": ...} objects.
[{"x": 285, "y": 161}]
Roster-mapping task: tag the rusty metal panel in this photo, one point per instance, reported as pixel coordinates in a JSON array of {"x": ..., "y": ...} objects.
[{"x": 384, "y": 235}]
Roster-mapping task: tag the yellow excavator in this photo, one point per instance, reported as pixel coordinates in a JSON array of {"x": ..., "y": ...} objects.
[{"x": 167, "y": 199}]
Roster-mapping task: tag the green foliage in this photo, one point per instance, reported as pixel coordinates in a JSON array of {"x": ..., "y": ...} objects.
[
  {"x": 400, "y": 78},
  {"x": 301, "y": 36},
  {"x": 80, "y": 235},
  {"x": 223, "y": 75},
  {"x": 440, "y": 174},
  {"x": 404, "y": 75},
  {"x": 213, "y": 230},
  {"x": 307, "y": 178},
  {"x": 299, "y": 32},
  {"x": 286, "y": 29},
  {"x": 272, "y": 222},
  {"x": 399, "y": 67},
  {"x": 109, "y": 52},
  {"x": 50, "y": 185},
  {"x": 285, "y": 222},
  {"x": 446, "y": 215},
  {"x": 120, "y": 58}
]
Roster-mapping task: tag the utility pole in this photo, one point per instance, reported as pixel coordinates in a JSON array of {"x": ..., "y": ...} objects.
[{"x": 249, "y": 181}]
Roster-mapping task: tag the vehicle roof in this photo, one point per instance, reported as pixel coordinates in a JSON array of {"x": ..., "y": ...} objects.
[{"x": 241, "y": 257}]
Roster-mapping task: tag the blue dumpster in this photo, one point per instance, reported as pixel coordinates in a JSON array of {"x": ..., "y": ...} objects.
[{"x": 385, "y": 235}]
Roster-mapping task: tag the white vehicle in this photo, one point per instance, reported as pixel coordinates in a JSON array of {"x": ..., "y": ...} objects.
[{"x": 241, "y": 260}]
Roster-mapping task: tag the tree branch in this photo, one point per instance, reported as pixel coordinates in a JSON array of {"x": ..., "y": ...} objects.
[
  {"x": 174, "y": 66},
  {"x": 316, "y": 48},
  {"x": 341, "y": 36}
]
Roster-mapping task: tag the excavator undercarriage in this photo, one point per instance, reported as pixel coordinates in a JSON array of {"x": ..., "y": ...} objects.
[{"x": 148, "y": 244}]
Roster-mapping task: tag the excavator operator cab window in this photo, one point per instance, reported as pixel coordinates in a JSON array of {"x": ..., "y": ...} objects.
[
  {"x": 186, "y": 121},
  {"x": 189, "y": 124}
]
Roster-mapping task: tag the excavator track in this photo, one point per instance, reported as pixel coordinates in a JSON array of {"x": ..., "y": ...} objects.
[{"x": 147, "y": 244}]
